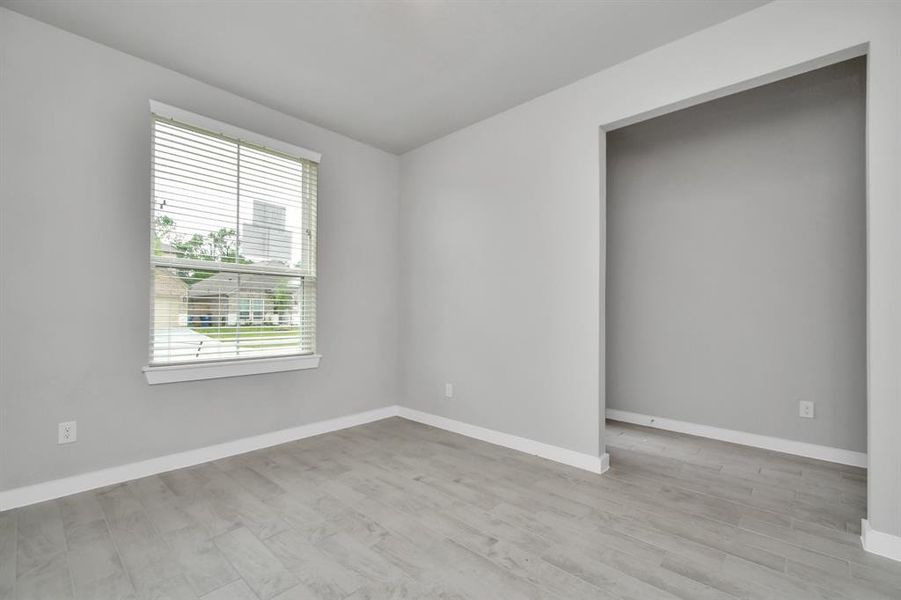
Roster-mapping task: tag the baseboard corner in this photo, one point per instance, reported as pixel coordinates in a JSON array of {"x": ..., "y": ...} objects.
[
  {"x": 877, "y": 542},
  {"x": 605, "y": 463}
]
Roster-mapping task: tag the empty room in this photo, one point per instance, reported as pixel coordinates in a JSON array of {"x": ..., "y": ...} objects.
[{"x": 371, "y": 299}]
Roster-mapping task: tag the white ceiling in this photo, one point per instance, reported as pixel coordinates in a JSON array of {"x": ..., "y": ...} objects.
[{"x": 393, "y": 74}]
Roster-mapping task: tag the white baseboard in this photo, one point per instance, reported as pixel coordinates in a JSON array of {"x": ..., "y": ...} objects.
[
  {"x": 588, "y": 462},
  {"x": 827, "y": 453},
  {"x": 48, "y": 490},
  {"x": 877, "y": 542},
  {"x": 57, "y": 488}
]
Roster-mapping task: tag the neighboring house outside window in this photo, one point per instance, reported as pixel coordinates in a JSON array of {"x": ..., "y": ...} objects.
[{"x": 233, "y": 256}]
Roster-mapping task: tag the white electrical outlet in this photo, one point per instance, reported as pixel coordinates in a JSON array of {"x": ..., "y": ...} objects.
[
  {"x": 805, "y": 409},
  {"x": 448, "y": 390},
  {"x": 67, "y": 432}
]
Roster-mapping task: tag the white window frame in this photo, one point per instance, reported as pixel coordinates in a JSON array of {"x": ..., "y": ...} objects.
[{"x": 157, "y": 374}]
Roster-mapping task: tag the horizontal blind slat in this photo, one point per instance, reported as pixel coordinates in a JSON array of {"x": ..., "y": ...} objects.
[{"x": 233, "y": 259}]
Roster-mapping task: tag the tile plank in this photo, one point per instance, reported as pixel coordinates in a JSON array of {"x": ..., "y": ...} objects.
[{"x": 396, "y": 509}]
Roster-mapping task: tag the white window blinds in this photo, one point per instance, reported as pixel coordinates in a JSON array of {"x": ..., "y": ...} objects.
[{"x": 233, "y": 256}]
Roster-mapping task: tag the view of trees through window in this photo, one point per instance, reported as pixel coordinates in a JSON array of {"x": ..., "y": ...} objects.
[{"x": 232, "y": 249}]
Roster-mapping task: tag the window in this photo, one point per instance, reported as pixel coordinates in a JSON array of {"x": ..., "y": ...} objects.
[{"x": 233, "y": 250}]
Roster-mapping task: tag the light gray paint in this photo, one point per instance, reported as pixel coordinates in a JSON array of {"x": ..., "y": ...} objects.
[
  {"x": 525, "y": 188},
  {"x": 544, "y": 157},
  {"x": 74, "y": 237},
  {"x": 736, "y": 261},
  {"x": 394, "y": 74},
  {"x": 499, "y": 282}
]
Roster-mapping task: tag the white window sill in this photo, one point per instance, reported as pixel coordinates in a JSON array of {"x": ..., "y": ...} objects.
[{"x": 233, "y": 368}]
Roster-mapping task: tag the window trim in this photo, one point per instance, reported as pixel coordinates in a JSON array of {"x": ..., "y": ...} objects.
[
  {"x": 231, "y": 131},
  {"x": 161, "y": 374},
  {"x": 231, "y": 368}
]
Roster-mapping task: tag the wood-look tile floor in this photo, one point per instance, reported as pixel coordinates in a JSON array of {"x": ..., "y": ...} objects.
[{"x": 395, "y": 509}]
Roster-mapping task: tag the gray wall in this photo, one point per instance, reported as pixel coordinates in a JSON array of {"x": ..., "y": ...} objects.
[
  {"x": 74, "y": 238},
  {"x": 500, "y": 273},
  {"x": 736, "y": 266}
]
